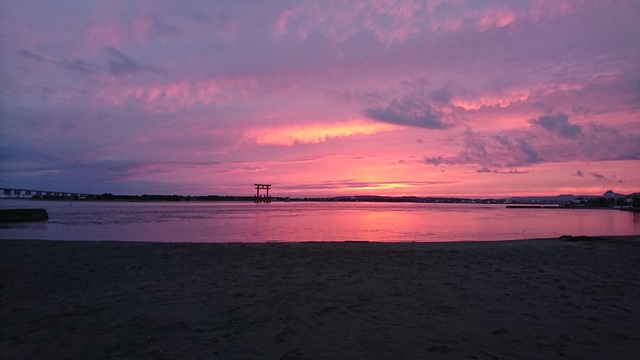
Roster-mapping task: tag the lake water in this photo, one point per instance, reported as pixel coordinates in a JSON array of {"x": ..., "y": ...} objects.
[{"x": 309, "y": 221}]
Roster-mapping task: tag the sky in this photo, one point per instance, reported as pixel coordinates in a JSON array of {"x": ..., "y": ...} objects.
[{"x": 321, "y": 98}]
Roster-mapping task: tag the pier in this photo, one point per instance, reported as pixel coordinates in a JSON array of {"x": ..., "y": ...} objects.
[
  {"x": 10, "y": 193},
  {"x": 22, "y": 215}
]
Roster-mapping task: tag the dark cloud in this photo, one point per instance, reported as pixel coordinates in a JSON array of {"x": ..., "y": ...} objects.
[
  {"x": 163, "y": 28},
  {"x": 425, "y": 119},
  {"x": 434, "y": 160},
  {"x": 417, "y": 108},
  {"x": 529, "y": 146},
  {"x": 200, "y": 18},
  {"x": 124, "y": 65},
  {"x": 580, "y": 110},
  {"x": 530, "y": 155},
  {"x": 49, "y": 169},
  {"x": 76, "y": 65},
  {"x": 602, "y": 142},
  {"x": 31, "y": 56},
  {"x": 475, "y": 149},
  {"x": 221, "y": 23},
  {"x": 441, "y": 96},
  {"x": 605, "y": 179},
  {"x": 520, "y": 150},
  {"x": 545, "y": 107},
  {"x": 364, "y": 97},
  {"x": 81, "y": 165},
  {"x": 408, "y": 112},
  {"x": 492, "y": 153},
  {"x": 498, "y": 171},
  {"x": 21, "y": 156},
  {"x": 558, "y": 123}
]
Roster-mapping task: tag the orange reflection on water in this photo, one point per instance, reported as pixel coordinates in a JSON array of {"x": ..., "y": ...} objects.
[{"x": 316, "y": 221}]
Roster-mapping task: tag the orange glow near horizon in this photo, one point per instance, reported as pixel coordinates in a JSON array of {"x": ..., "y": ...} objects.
[{"x": 314, "y": 133}]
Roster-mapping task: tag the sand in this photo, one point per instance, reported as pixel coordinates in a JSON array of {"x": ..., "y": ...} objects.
[{"x": 534, "y": 299}]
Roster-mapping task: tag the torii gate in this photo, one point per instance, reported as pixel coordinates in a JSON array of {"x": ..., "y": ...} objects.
[{"x": 266, "y": 198}]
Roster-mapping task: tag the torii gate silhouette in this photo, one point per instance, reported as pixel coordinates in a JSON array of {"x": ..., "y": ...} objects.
[{"x": 264, "y": 199}]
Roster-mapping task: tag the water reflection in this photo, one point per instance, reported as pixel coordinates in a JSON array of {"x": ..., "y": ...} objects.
[{"x": 248, "y": 222}]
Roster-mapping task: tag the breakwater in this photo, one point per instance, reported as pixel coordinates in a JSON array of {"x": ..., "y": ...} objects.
[{"x": 22, "y": 215}]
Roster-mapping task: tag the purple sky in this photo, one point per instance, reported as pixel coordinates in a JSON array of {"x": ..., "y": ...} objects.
[{"x": 454, "y": 98}]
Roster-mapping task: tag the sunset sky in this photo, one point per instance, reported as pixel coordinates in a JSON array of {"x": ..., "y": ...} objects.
[{"x": 321, "y": 98}]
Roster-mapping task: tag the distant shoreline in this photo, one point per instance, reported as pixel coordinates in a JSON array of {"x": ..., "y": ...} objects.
[
  {"x": 523, "y": 206},
  {"x": 374, "y": 199}
]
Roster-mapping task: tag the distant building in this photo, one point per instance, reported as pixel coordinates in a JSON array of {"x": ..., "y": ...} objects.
[
  {"x": 609, "y": 194},
  {"x": 579, "y": 200}
]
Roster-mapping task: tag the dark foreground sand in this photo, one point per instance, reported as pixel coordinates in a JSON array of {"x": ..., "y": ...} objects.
[{"x": 538, "y": 299}]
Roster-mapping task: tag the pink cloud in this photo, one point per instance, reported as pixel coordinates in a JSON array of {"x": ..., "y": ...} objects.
[
  {"x": 549, "y": 8},
  {"x": 102, "y": 33},
  {"x": 496, "y": 17},
  {"x": 445, "y": 24},
  {"x": 353, "y": 16},
  {"x": 281, "y": 24},
  {"x": 171, "y": 97},
  {"x": 503, "y": 100}
]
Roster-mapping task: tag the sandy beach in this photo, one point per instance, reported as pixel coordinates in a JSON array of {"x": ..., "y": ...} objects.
[{"x": 571, "y": 298}]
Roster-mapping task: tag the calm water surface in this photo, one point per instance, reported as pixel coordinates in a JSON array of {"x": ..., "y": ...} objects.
[{"x": 248, "y": 222}]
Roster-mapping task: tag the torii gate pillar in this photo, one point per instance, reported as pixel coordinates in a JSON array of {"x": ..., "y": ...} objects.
[{"x": 266, "y": 198}]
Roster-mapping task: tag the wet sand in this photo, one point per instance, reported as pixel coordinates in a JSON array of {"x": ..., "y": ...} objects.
[{"x": 533, "y": 299}]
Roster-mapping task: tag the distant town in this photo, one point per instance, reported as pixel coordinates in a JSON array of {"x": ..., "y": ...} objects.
[{"x": 609, "y": 199}]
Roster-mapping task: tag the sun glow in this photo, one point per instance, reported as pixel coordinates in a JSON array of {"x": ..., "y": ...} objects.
[{"x": 377, "y": 187}]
